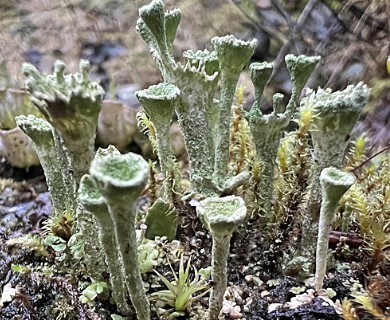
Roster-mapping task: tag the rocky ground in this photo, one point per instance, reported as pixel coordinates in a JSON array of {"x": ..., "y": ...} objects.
[{"x": 34, "y": 284}]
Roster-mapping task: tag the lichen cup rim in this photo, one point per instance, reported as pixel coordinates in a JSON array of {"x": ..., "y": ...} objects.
[
  {"x": 210, "y": 211},
  {"x": 120, "y": 170}
]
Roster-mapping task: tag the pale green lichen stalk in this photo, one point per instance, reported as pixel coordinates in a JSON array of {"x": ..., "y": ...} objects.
[
  {"x": 194, "y": 108},
  {"x": 205, "y": 123},
  {"x": 120, "y": 179},
  {"x": 158, "y": 29},
  {"x": 159, "y": 102},
  {"x": 47, "y": 147},
  {"x": 93, "y": 202},
  {"x": 71, "y": 103},
  {"x": 232, "y": 54},
  {"x": 334, "y": 183},
  {"x": 221, "y": 216},
  {"x": 334, "y": 115},
  {"x": 267, "y": 129}
]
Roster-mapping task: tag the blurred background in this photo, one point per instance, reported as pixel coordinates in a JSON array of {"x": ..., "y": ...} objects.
[{"x": 351, "y": 36}]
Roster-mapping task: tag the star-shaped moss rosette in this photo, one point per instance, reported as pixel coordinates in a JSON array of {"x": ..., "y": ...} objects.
[
  {"x": 233, "y": 55},
  {"x": 221, "y": 216},
  {"x": 334, "y": 183},
  {"x": 120, "y": 179},
  {"x": 71, "y": 103}
]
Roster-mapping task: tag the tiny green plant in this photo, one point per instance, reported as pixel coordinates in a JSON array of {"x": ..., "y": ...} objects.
[
  {"x": 180, "y": 294},
  {"x": 93, "y": 291}
]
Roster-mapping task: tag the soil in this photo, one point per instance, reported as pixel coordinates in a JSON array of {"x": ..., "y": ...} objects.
[
  {"x": 253, "y": 287},
  {"x": 104, "y": 32}
]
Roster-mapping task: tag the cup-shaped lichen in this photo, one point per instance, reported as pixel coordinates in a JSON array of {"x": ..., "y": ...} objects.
[
  {"x": 267, "y": 128},
  {"x": 159, "y": 102},
  {"x": 121, "y": 179},
  {"x": 93, "y": 202},
  {"x": 221, "y": 216},
  {"x": 204, "y": 122},
  {"x": 71, "y": 103},
  {"x": 198, "y": 118},
  {"x": 300, "y": 68},
  {"x": 47, "y": 147},
  {"x": 158, "y": 29},
  {"x": 334, "y": 115},
  {"x": 233, "y": 54},
  {"x": 203, "y": 59},
  {"x": 334, "y": 183},
  {"x": 260, "y": 73}
]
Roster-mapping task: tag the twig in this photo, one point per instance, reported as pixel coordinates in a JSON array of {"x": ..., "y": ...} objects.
[
  {"x": 271, "y": 32},
  {"x": 369, "y": 159},
  {"x": 286, "y": 47}
]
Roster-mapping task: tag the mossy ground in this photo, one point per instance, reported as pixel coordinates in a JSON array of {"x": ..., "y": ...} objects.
[{"x": 105, "y": 31}]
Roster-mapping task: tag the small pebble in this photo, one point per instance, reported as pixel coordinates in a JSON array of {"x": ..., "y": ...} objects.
[
  {"x": 264, "y": 293},
  {"x": 235, "y": 313}
]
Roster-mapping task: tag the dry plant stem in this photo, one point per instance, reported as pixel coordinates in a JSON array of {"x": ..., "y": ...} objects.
[{"x": 334, "y": 183}]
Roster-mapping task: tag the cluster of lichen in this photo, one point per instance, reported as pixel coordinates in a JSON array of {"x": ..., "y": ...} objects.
[{"x": 241, "y": 164}]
